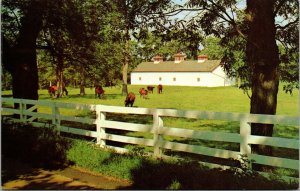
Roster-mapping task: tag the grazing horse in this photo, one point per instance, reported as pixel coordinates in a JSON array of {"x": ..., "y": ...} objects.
[
  {"x": 129, "y": 99},
  {"x": 52, "y": 89},
  {"x": 143, "y": 93},
  {"x": 159, "y": 88},
  {"x": 150, "y": 89},
  {"x": 99, "y": 91}
]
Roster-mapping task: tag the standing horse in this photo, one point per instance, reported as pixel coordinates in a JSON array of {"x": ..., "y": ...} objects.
[
  {"x": 150, "y": 89},
  {"x": 51, "y": 90},
  {"x": 129, "y": 101},
  {"x": 99, "y": 91},
  {"x": 159, "y": 88}
]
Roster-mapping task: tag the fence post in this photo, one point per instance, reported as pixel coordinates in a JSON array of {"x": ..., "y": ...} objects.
[
  {"x": 157, "y": 125},
  {"x": 100, "y": 116},
  {"x": 56, "y": 116},
  {"x": 21, "y": 107},
  {"x": 245, "y": 132}
]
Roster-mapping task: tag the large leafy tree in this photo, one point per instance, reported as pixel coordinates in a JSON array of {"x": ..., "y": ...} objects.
[
  {"x": 66, "y": 35},
  {"x": 261, "y": 33},
  {"x": 22, "y": 22},
  {"x": 134, "y": 16}
]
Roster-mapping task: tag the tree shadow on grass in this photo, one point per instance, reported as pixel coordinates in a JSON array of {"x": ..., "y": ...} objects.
[
  {"x": 190, "y": 175},
  {"x": 38, "y": 147}
]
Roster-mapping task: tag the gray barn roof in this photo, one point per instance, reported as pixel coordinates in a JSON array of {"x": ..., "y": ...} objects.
[{"x": 184, "y": 66}]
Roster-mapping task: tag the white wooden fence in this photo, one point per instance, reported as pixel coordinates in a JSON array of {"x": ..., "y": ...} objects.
[{"x": 244, "y": 138}]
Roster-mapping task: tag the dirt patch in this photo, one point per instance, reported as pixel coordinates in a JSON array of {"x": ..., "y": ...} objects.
[{"x": 16, "y": 175}]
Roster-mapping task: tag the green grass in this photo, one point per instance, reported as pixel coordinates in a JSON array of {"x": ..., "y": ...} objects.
[
  {"x": 43, "y": 146},
  {"x": 219, "y": 99}
]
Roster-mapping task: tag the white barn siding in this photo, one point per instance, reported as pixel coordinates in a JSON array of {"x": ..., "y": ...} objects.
[
  {"x": 207, "y": 79},
  {"x": 220, "y": 72}
]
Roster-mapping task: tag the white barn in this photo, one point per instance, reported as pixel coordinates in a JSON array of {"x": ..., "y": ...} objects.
[{"x": 181, "y": 72}]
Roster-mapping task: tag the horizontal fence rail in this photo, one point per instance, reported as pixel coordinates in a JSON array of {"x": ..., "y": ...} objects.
[{"x": 158, "y": 130}]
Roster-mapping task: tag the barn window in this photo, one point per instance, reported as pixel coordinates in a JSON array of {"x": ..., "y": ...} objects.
[
  {"x": 140, "y": 78},
  {"x": 198, "y": 79},
  {"x": 159, "y": 78},
  {"x": 174, "y": 79}
]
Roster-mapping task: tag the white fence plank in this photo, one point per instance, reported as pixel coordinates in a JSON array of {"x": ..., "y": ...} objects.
[
  {"x": 78, "y": 119},
  {"x": 38, "y": 115},
  {"x": 200, "y": 150},
  {"x": 205, "y": 135},
  {"x": 127, "y": 110},
  {"x": 275, "y": 161},
  {"x": 89, "y": 107},
  {"x": 274, "y": 141},
  {"x": 9, "y": 110},
  {"x": 127, "y": 126},
  {"x": 78, "y": 131},
  {"x": 253, "y": 118},
  {"x": 126, "y": 139}
]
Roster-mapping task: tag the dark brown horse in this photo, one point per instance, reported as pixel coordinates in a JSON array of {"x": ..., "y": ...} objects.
[
  {"x": 150, "y": 89},
  {"x": 99, "y": 91},
  {"x": 159, "y": 88},
  {"x": 129, "y": 99}
]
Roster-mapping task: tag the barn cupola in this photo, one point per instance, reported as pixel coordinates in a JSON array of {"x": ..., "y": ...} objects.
[
  {"x": 157, "y": 59},
  {"x": 179, "y": 57},
  {"x": 202, "y": 58}
]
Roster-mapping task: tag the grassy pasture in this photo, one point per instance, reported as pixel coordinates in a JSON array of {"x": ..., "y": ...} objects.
[{"x": 218, "y": 99}]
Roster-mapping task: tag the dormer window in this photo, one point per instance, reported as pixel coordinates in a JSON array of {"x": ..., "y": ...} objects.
[
  {"x": 157, "y": 59},
  {"x": 202, "y": 58},
  {"x": 179, "y": 57}
]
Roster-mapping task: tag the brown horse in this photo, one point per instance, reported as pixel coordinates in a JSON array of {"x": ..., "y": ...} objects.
[
  {"x": 99, "y": 91},
  {"x": 150, "y": 89},
  {"x": 143, "y": 93},
  {"x": 52, "y": 90},
  {"x": 159, "y": 88},
  {"x": 129, "y": 99}
]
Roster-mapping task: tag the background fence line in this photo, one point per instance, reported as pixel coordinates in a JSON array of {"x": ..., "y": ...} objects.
[{"x": 244, "y": 137}]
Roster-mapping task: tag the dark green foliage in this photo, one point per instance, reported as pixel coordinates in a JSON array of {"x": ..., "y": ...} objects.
[
  {"x": 147, "y": 173},
  {"x": 36, "y": 146},
  {"x": 191, "y": 175}
]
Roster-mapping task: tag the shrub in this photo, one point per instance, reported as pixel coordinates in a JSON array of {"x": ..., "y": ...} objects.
[{"x": 36, "y": 146}]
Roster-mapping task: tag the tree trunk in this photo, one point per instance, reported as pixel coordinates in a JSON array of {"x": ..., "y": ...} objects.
[
  {"x": 24, "y": 61},
  {"x": 262, "y": 56},
  {"x": 82, "y": 81},
  {"x": 125, "y": 64},
  {"x": 22, "y": 58},
  {"x": 59, "y": 75}
]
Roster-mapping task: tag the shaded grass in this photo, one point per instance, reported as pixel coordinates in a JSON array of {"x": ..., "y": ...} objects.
[
  {"x": 37, "y": 146},
  {"x": 143, "y": 172}
]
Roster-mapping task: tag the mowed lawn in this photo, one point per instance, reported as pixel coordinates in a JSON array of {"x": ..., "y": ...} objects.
[{"x": 218, "y": 99}]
